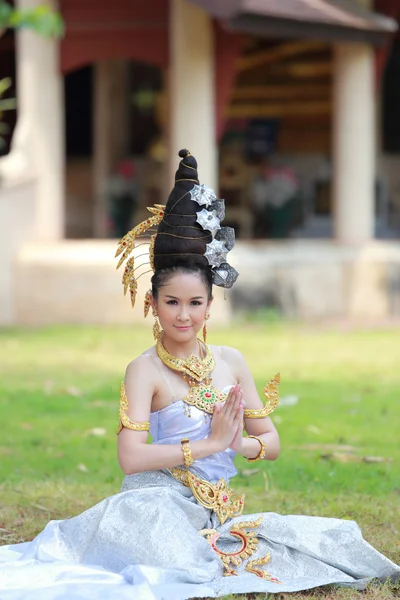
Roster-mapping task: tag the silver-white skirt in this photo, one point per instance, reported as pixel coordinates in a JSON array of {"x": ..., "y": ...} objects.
[{"x": 148, "y": 543}]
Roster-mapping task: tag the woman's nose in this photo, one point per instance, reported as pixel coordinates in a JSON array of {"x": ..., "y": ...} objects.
[{"x": 183, "y": 314}]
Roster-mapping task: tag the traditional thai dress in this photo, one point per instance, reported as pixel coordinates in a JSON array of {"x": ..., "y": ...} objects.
[{"x": 157, "y": 540}]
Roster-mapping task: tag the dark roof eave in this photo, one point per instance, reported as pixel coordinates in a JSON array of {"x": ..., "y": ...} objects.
[
  {"x": 372, "y": 28},
  {"x": 289, "y": 28}
]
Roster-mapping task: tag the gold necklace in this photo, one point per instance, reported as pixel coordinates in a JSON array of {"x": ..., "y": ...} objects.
[
  {"x": 196, "y": 372},
  {"x": 194, "y": 367}
]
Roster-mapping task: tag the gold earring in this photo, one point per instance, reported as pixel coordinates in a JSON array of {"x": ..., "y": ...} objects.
[
  {"x": 157, "y": 331},
  {"x": 205, "y": 327},
  {"x": 147, "y": 303}
]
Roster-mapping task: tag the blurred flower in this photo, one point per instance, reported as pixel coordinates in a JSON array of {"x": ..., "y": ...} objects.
[{"x": 275, "y": 186}]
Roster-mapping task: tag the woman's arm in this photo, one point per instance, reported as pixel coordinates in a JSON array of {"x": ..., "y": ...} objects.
[
  {"x": 135, "y": 455},
  {"x": 262, "y": 428}
]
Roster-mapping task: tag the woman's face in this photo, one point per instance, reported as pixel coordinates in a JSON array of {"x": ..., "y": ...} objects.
[{"x": 182, "y": 305}]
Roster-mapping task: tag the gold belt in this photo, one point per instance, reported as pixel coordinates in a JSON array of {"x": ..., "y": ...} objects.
[{"x": 217, "y": 497}]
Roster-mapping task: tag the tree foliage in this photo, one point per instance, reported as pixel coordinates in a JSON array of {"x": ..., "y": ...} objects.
[{"x": 42, "y": 19}]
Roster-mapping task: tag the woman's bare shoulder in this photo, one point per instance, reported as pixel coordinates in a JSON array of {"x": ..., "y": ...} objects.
[
  {"x": 142, "y": 365},
  {"x": 230, "y": 355}
]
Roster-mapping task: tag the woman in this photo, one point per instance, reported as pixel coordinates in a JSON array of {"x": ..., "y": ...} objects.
[{"x": 177, "y": 530}]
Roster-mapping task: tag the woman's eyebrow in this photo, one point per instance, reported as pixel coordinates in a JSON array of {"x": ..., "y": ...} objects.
[{"x": 175, "y": 298}]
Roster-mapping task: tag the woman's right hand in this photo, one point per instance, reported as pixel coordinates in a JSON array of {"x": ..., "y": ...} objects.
[{"x": 226, "y": 419}]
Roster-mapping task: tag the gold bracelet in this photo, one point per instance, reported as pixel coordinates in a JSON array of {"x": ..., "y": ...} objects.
[
  {"x": 261, "y": 454},
  {"x": 187, "y": 453}
]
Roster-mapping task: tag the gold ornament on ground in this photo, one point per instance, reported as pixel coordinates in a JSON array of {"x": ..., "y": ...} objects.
[
  {"x": 271, "y": 394},
  {"x": 261, "y": 454},
  {"x": 249, "y": 545},
  {"x": 252, "y": 565},
  {"x": 248, "y": 539},
  {"x": 217, "y": 497},
  {"x": 187, "y": 453},
  {"x": 124, "y": 420}
]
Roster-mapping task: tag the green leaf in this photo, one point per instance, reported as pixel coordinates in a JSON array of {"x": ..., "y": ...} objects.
[{"x": 5, "y": 84}]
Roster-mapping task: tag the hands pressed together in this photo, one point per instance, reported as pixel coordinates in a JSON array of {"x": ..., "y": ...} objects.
[{"x": 227, "y": 422}]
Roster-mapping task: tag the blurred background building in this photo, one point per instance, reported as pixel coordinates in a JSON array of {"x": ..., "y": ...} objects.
[{"x": 290, "y": 107}]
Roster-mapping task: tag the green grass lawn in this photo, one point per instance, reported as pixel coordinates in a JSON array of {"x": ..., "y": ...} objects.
[{"x": 339, "y": 422}]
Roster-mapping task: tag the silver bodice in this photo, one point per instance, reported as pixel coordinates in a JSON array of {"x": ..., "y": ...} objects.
[{"x": 172, "y": 423}]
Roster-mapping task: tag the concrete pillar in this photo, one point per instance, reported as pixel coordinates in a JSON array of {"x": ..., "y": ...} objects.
[
  {"x": 38, "y": 151},
  {"x": 110, "y": 130},
  {"x": 191, "y": 89},
  {"x": 354, "y": 145}
]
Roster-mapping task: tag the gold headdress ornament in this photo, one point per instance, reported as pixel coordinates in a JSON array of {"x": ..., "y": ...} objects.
[
  {"x": 127, "y": 245},
  {"x": 186, "y": 230}
]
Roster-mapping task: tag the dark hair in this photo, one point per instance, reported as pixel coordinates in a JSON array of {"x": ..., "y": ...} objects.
[
  {"x": 181, "y": 241},
  {"x": 162, "y": 276}
]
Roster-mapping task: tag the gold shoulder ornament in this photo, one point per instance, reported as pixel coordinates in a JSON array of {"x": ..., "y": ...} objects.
[
  {"x": 124, "y": 420},
  {"x": 271, "y": 394}
]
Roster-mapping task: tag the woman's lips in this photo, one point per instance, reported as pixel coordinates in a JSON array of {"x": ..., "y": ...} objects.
[{"x": 183, "y": 328}]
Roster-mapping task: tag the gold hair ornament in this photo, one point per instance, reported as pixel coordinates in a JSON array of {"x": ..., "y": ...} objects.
[
  {"x": 195, "y": 180},
  {"x": 127, "y": 244},
  {"x": 147, "y": 302},
  {"x": 271, "y": 394},
  {"x": 151, "y": 250}
]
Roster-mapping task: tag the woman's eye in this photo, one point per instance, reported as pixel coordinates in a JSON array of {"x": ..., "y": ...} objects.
[
  {"x": 196, "y": 303},
  {"x": 172, "y": 302}
]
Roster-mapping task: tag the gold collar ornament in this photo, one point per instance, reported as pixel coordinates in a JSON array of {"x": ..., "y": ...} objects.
[
  {"x": 194, "y": 367},
  {"x": 217, "y": 497},
  {"x": 196, "y": 372}
]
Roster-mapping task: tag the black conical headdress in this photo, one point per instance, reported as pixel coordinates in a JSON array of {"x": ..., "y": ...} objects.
[{"x": 188, "y": 231}]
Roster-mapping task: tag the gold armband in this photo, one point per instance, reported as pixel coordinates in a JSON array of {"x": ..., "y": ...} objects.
[
  {"x": 124, "y": 420},
  {"x": 261, "y": 454},
  {"x": 187, "y": 453},
  {"x": 272, "y": 396}
]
